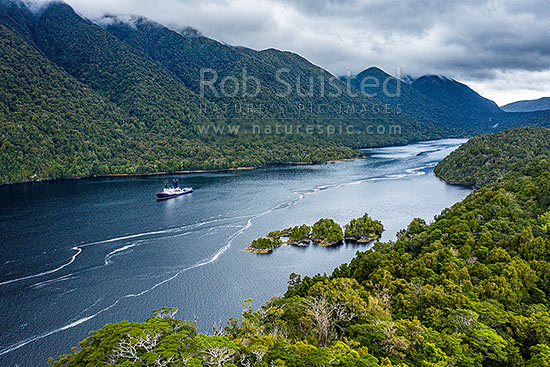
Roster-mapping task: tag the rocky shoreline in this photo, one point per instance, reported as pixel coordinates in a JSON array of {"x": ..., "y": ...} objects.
[{"x": 310, "y": 241}]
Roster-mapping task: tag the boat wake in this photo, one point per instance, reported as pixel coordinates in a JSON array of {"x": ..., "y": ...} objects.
[
  {"x": 54, "y": 280},
  {"x": 118, "y": 251},
  {"x": 176, "y": 231},
  {"x": 416, "y": 171},
  {"x": 73, "y": 258}
]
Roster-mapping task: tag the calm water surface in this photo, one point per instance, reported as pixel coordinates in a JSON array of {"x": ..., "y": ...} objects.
[{"x": 75, "y": 255}]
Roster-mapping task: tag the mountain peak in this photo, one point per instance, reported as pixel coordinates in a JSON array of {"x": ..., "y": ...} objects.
[
  {"x": 454, "y": 94},
  {"x": 129, "y": 20},
  {"x": 35, "y": 7},
  {"x": 436, "y": 78},
  {"x": 109, "y": 19},
  {"x": 57, "y": 7},
  {"x": 373, "y": 71},
  {"x": 21, "y": 3},
  {"x": 190, "y": 32}
]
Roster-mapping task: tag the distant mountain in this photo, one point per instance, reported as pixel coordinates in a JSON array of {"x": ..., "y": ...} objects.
[
  {"x": 402, "y": 95},
  {"x": 540, "y": 104},
  {"x": 451, "y": 106},
  {"x": 482, "y": 113},
  {"x": 451, "y": 93}
]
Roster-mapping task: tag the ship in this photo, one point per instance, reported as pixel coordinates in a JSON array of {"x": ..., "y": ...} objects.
[{"x": 172, "y": 191}]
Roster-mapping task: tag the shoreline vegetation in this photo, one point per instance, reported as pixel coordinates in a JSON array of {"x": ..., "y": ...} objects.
[
  {"x": 230, "y": 169},
  {"x": 184, "y": 172},
  {"x": 455, "y": 183},
  {"x": 325, "y": 232}
]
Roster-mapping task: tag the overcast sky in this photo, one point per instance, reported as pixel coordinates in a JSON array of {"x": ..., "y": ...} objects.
[{"x": 500, "y": 48}]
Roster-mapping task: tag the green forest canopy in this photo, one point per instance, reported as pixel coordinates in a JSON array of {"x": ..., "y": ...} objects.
[
  {"x": 470, "y": 289},
  {"x": 490, "y": 158}
]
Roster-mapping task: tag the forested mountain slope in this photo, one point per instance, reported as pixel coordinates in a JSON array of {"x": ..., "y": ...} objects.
[
  {"x": 452, "y": 93},
  {"x": 49, "y": 122},
  {"x": 489, "y": 158},
  {"x": 154, "y": 116},
  {"x": 400, "y": 95},
  {"x": 135, "y": 83},
  {"x": 291, "y": 89}
]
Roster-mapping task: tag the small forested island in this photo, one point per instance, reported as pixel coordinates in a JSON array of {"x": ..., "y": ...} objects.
[
  {"x": 325, "y": 232},
  {"x": 363, "y": 230}
]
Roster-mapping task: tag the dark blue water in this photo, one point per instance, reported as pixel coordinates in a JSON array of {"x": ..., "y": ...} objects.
[{"x": 78, "y": 254}]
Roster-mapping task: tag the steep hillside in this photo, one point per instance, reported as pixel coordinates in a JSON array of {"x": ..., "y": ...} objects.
[
  {"x": 51, "y": 124},
  {"x": 16, "y": 16},
  {"x": 451, "y": 93},
  {"x": 491, "y": 158},
  {"x": 401, "y": 95},
  {"x": 292, "y": 90},
  {"x": 184, "y": 54},
  {"x": 481, "y": 114},
  {"x": 93, "y": 86},
  {"x": 445, "y": 103},
  {"x": 134, "y": 82},
  {"x": 540, "y": 104}
]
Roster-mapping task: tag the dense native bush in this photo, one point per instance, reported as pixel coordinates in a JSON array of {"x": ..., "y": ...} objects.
[
  {"x": 470, "y": 289},
  {"x": 489, "y": 158},
  {"x": 363, "y": 228}
]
